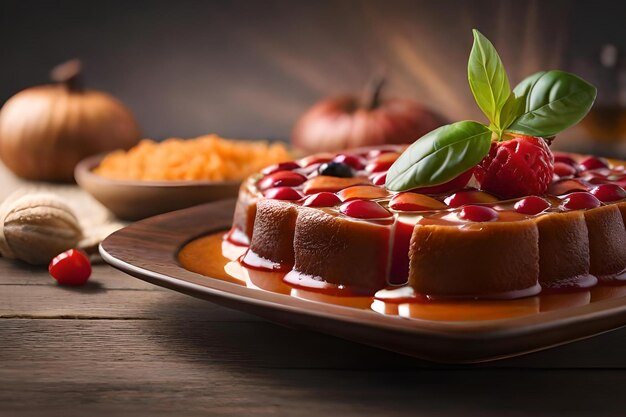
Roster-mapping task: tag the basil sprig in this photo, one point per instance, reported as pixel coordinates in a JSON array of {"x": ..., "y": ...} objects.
[
  {"x": 544, "y": 104},
  {"x": 554, "y": 101},
  {"x": 487, "y": 79},
  {"x": 439, "y": 156}
]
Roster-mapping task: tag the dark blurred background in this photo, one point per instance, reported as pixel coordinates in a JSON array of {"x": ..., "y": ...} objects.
[{"x": 247, "y": 69}]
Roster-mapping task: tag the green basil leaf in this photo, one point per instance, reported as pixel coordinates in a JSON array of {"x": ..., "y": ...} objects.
[
  {"x": 516, "y": 103},
  {"x": 487, "y": 78},
  {"x": 523, "y": 88},
  {"x": 512, "y": 109},
  {"x": 554, "y": 101},
  {"x": 440, "y": 156}
]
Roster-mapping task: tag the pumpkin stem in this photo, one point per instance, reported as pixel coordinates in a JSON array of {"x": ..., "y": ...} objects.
[
  {"x": 373, "y": 92},
  {"x": 69, "y": 74}
]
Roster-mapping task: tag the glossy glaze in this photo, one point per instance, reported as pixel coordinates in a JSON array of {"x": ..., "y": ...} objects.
[{"x": 203, "y": 256}]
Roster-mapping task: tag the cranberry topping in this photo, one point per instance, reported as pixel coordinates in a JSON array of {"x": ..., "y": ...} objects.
[
  {"x": 564, "y": 170},
  {"x": 566, "y": 186},
  {"x": 352, "y": 160},
  {"x": 379, "y": 166},
  {"x": 565, "y": 159},
  {"x": 469, "y": 197},
  {"x": 363, "y": 209},
  {"x": 283, "y": 166},
  {"x": 608, "y": 192},
  {"x": 382, "y": 163},
  {"x": 531, "y": 205},
  {"x": 283, "y": 193},
  {"x": 599, "y": 175},
  {"x": 310, "y": 171},
  {"x": 478, "y": 213},
  {"x": 316, "y": 159},
  {"x": 323, "y": 199},
  {"x": 580, "y": 200},
  {"x": 281, "y": 179},
  {"x": 379, "y": 179},
  {"x": 592, "y": 162}
]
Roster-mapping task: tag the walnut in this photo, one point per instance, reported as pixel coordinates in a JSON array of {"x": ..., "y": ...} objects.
[{"x": 36, "y": 227}]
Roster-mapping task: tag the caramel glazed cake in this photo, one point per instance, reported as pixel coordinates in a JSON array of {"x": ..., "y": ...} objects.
[{"x": 328, "y": 223}]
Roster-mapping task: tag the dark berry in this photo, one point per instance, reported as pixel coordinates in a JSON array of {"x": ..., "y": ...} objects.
[{"x": 336, "y": 169}]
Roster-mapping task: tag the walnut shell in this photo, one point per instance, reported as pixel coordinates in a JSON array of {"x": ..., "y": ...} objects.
[{"x": 37, "y": 227}]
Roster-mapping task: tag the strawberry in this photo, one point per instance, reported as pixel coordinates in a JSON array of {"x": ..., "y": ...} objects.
[{"x": 518, "y": 167}]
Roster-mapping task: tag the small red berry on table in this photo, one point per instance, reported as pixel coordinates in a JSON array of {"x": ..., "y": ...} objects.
[{"x": 71, "y": 267}]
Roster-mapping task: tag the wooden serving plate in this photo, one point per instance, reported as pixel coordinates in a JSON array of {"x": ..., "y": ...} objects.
[{"x": 149, "y": 250}]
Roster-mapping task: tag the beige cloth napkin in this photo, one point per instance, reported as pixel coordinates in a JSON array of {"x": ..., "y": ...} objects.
[{"x": 95, "y": 220}]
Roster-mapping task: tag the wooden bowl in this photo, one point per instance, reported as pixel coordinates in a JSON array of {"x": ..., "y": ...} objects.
[{"x": 134, "y": 199}]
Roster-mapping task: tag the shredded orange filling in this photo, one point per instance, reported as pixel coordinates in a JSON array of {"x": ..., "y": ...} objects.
[{"x": 204, "y": 158}]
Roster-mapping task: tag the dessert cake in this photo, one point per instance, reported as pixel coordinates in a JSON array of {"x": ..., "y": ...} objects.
[
  {"x": 329, "y": 224},
  {"x": 469, "y": 210}
]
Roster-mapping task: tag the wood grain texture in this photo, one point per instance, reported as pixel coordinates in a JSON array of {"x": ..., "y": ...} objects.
[{"x": 177, "y": 355}]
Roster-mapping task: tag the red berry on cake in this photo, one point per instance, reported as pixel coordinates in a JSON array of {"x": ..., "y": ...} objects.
[
  {"x": 283, "y": 166},
  {"x": 383, "y": 162},
  {"x": 364, "y": 209},
  {"x": 281, "y": 179},
  {"x": 478, "y": 214},
  {"x": 379, "y": 178},
  {"x": 282, "y": 193},
  {"x": 323, "y": 199},
  {"x": 565, "y": 159},
  {"x": 531, "y": 205},
  {"x": 464, "y": 197},
  {"x": 352, "y": 160},
  {"x": 518, "y": 167},
  {"x": 609, "y": 192},
  {"x": 581, "y": 200},
  {"x": 563, "y": 169},
  {"x": 593, "y": 162}
]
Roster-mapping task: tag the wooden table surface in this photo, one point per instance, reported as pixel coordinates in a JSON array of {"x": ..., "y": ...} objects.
[{"x": 119, "y": 346}]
